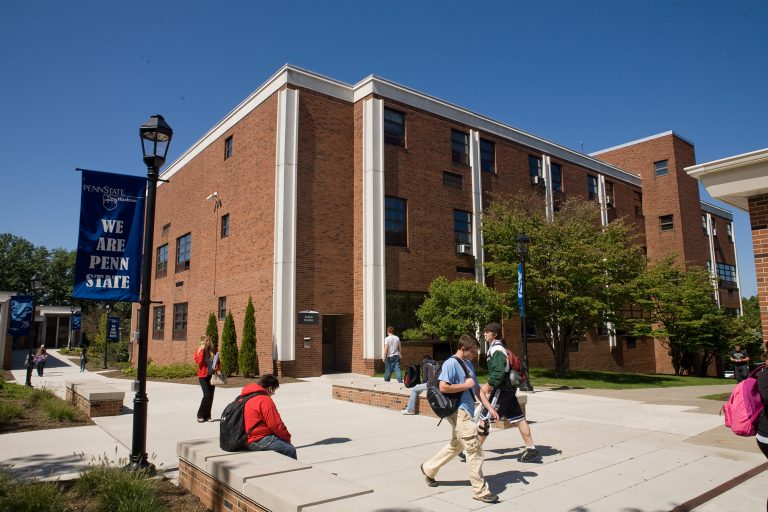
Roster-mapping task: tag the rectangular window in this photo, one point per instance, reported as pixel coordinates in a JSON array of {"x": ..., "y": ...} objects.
[
  {"x": 180, "y": 321},
  {"x": 453, "y": 180},
  {"x": 639, "y": 205},
  {"x": 534, "y": 170},
  {"x": 161, "y": 262},
  {"x": 631, "y": 342},
  {"x": 158, "y": 322},
  {"x": 225, "y": 226},
  {"x": 661, "y": 168},
  {"x": 729, "y": 229},
  {"x": 395, "y": 227},
  {"x": 183, "y": 252},
  {"x": 592, "y": 187},
  {"x": 394, "y": 127},
  {"x": 726, "y": 273},
  {"x": 460, "y": 147},
  {"x": 704, "y": 223},
  {"x": 228, "y": 147},
  {"x": 487, "y": 156},
  {"x": 610, "y": 197},
  {"x": 557, "y": 177},
  {"x": 222, "y": 308},
  {"x": 166, "y": 230},
  {"x": 462, "y": 227},
  {"x": 667, "y": 222},
  {"x": 466, "y": 270},
  {"x": 401, "y": 309}
]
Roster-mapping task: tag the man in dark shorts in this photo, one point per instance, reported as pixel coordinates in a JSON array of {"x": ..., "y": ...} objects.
[
  {"x": 740, "y": 360},
  {"x": 502, "y": 394}
]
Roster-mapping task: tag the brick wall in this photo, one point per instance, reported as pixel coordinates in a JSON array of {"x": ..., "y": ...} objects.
[
  {"x": 212, "y": 493},
  {"x": 758, "y": 218},
  {"x": 95, "y": 409}
]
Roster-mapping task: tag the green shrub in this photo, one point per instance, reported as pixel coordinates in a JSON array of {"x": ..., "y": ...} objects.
[
  {"x": 59, "y": 410},
  {"x": 170, "y": 371},
  {"x": 228, "y": 350},
  {"x": 26, "y": 497},
  {"x": 119, "y": 490},
  {"x": 39, "y": 395},
  {"x": 10, "y": 411},
  {"x": 212, "y": 329},
  {"x": 248, "y": 359},
  {"x": 11, "y": 390}
]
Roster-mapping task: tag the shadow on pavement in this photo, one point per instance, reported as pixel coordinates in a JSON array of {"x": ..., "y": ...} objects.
[
  {"x": 41, "y": 465},
  {"x": 514, "y": 453},
  {"x": 328, "y": 440}
]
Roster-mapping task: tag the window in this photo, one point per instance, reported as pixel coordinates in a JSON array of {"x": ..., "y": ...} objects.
[
  {"x": 714, "y": 226},
  {"x": 180, "y": 321},
  {"x": 726, "y": 272},
  {"x": 462, "y": 227},
  {"x": 225, "y": 226},
  {"x": 704, "y": 223},
  {"x": 401, "y": 309},
  {"x": 729, "y": 229},
  {"x": 222, "y": 308},
  {"x": 639, "y": 205},
  {"x": 610, "y": 198},
  {"x": 394, "y": 127},
  {"x": 395, "y": 232},
  {"x": 667, "y": 222},
  {"x": 466, "y": 270},
  {"x": 460, "y": 147},
  {"x": 661, "y": 168},
  {"x": 228, "y": 147},
  {"x": 453, "y": 180},
  {"x": 183, "y": 251},
  {"x": 631, "y": 342},
  {"x": 534, "y": 170},
  {"x": 487, "y": 156},
  {"x": 158, "y": 322},
  {"x": 557, "y": 177},
  {"x": 161, "y": 262},
  {"x": 166, "y": 230},
  {"x": 592, "y": 187}
]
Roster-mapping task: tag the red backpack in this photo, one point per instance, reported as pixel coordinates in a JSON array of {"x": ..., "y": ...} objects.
[
  {"x": 744, "y": 406},
  {"x": 514, "y": 366}
]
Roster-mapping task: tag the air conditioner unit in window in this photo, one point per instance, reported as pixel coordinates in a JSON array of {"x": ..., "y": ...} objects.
[
  {"x": 537, "y": 180},
  {"x": 714, "y": 231},
  {"x": 463, "y": 249},
  {"x": 609, "y": 200}
]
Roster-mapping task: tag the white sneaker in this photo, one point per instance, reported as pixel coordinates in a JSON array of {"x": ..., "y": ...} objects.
[{"x": 406, "y": 412}]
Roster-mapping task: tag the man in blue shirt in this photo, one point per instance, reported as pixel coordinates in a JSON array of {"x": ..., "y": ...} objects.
[{"x": 454, "y": 379}]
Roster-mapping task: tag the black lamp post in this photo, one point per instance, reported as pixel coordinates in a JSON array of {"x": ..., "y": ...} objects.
[
  {"x": 71, "y": 327},
  {"x": 522, "y": 250},
  {"x": 35, "y": 285},
  {"x": 155, "y": 135},
  {"x": 106, "y": 338}
]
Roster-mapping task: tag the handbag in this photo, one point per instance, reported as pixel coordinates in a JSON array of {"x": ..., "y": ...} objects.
[{"x": 218, "y": 379}]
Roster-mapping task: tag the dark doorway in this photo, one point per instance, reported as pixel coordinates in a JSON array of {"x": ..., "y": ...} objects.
[{"x": 329, "y": 344}]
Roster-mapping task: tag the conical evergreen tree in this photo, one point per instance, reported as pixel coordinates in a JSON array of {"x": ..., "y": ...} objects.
[
  {"x": 249, "y": 362},
  {"x": 213, "y": 329},
  {"x": 228, "y": 346}
]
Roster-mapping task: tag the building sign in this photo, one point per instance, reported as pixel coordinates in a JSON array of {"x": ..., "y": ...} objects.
[
  {"x": 110, "y": 242},
  {"x": 113, "y": 328},
  {"x": 309, "y": 318},
  {"x": 76, "y": 320},
  {"x": 22, "y": 315}
]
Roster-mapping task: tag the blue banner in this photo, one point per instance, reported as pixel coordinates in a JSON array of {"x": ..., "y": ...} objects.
[
  {"x": 113, "y": 328},
  {"x": 520, "y": 304},
  {"x": 76, "y": 320},
  {"x": 22, "y": 315},
  {"x": 111, "y": 230}
]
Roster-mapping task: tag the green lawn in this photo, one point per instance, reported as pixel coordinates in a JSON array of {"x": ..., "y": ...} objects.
[
  {"x": 719, "y": 397},
  {"x": 608, "y": 380}
]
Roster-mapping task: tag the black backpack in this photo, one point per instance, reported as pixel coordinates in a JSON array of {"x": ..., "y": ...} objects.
[
  {"x": 429, "y": 368},
  {"x": 444, "y": 404},
  {"x": 232, "y": 434},
  {"x": 412, "y": 376}
]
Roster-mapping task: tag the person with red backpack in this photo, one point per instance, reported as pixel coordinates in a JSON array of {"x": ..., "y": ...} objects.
[{"x": 502, "y": 393}]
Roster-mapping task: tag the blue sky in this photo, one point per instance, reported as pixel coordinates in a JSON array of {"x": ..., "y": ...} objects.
[{"x": 79, "y": 77}]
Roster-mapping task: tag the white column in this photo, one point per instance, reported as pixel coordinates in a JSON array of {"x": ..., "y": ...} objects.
[
  {"x": 736, "y": 264},
  {"x": 284, "y": 282},
  {"x": 546, "y": 170},
  {"x": 374, "y": 282},
  {"x": 602, "y": 196},
  {"x": 713, "y": 266},
  {"x": 477, "y": 206}
]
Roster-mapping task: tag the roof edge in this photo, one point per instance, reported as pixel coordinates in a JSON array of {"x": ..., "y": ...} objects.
[{"x": 644, "y": 139}]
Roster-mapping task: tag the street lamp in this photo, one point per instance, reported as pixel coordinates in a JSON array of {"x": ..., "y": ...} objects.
[
  {"x": 522, "y": 251},
  {"x": 35, "y": 285},
  {"x": 155, "y": 135},
  {"x": 106, "y": 338},
  {"x": 71, "y": 326}
]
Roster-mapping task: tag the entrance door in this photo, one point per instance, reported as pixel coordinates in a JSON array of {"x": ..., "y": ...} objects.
[{"x": 329, "y": 344}]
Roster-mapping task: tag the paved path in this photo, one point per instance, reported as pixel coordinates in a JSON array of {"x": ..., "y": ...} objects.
[{"x": 600, "y": 453}]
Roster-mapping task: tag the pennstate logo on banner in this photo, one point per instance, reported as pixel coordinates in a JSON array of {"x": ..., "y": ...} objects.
[{"x": 109, "y": 247}]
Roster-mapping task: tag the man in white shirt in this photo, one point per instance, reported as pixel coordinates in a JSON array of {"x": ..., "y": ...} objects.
[{"x": 391, "y": 355}]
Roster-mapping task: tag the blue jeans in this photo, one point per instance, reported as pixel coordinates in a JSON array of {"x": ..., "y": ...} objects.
[
  {"x": 415, "y": 392},
  {"x": 392, "y": 363},
  {"x": 274, "y": 444}
]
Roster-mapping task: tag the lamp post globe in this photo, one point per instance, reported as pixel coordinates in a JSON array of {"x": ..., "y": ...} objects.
[
  {"x": 522, "y": 250},
  {"x": 155, "y": 135}
]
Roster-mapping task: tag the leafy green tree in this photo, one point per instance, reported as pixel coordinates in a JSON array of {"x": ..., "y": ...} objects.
[
  {"x": 228, "y": 346},
  {"x": 249, "y": 361},
  {"x": 578, "y": 273},
  {"x": 59, "y": 276},
  {"x": 453, "y": 308},
  {"x": 212, "y": 329},
  {"x": 752, "y": 321},
  {"x": 19, "y": 261}
]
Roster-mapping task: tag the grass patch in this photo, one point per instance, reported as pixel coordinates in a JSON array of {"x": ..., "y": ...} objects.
[
  {"x": 171, "y": 371},
  {"x": 615, "y": 380},
  {"x": 37, "y": 396},
  {"x": 24, "y": 408},
  {"x": 720, "y": 397},
  {"x": 10, "y": 411},
  {"x": 119, "y": 490},
  {"x": 58, "y": 410}
]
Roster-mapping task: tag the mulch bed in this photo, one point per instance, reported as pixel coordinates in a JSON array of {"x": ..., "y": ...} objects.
[
  {"x": 232, "y": 382},
  {"x": 36, "y": 419}
]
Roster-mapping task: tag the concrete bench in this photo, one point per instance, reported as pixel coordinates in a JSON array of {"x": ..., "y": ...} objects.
[
  {"x": 95, "y": 398},
  {"x": 256, "y": 481},
  {"x": 394, "y": 396}
]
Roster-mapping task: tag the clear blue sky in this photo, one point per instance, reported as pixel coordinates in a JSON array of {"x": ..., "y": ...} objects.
[{"x": 78, "y": 78}]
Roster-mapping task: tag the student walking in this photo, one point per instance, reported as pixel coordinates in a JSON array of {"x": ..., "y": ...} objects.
[
  {"x": 83, "y": 357},
  {"x": 40, "y": 359},
  {"x": 391, "y": 356},
  {"x": 207, "y": 365},
  {"x": 458, "y": 376}
]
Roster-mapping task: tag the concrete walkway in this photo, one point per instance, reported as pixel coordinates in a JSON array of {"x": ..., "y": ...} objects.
[{"x": 600, "y": 453}]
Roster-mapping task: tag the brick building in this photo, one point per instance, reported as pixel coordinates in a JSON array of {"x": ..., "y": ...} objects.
[{"x": 348, "y": 200}]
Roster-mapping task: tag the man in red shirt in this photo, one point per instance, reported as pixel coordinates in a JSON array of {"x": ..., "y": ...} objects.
[{"x": 266, "y": 430}]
